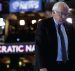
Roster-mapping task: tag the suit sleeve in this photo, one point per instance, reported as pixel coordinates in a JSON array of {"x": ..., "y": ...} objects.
[
  {"x": 40, "y": 45},
  {"x": 72, "y": 34}
]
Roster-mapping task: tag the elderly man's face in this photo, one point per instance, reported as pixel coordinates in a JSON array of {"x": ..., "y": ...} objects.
[{"x": 61, "y": 14}]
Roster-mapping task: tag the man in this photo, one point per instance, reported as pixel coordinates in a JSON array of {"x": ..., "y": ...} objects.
[{"x": 55, "y": 47}]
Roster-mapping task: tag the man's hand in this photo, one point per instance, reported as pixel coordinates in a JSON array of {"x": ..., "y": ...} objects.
[{"x": 43, "y": 69}]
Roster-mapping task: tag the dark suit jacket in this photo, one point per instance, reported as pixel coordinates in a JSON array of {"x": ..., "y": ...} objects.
[{"x": 46, "y": 43}]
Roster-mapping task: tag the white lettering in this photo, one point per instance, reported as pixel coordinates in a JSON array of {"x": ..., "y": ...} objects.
[
  {"x": 24, "y": 5},
  {"x": 30, "y": 48},
  {"x": 17, "y": 48},
  {"x": 3, "y": 49},
  {"x": 15, "y": 4},
  {"x": 21, "y": 48},
  {"x": 0, "y": 49},
  {"x": 14, "y": 48},
  {"x": 9, "y": 49}
]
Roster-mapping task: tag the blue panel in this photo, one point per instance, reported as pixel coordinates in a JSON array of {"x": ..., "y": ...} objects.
[{"x": 25, "y": 5}]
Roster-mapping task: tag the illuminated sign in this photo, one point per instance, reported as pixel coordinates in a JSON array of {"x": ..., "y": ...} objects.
[
  {"x": 24, "y": 5},
  {"x": 17, "y": 48},
  {"x": 0, "y": 7}
]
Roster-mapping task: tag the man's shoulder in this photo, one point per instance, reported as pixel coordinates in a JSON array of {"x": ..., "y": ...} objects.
[{"x": 45, "y": 21}]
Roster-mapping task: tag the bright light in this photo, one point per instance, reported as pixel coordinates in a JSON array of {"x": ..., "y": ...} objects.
[
  {"x": 20, "y": 63},
  {"x": 8, "y": 66},
  {"x": 33, "y": 21},
  {"x": 70, "y": 9},
  {"x": 69, "y": 20},
  {"x": 2, "y": 27},
  {"x": 25, "y": 60},
  {"x": 22, "y": 22},
  {"x": 1, "y": 19},
  {"x": 8, "y": 61},
  {"x": 18, "y": 39},
  {"x": 39, "y": 19},
  {"x": 2, "y": 23}
]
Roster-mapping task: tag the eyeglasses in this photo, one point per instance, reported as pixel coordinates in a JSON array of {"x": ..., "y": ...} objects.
[{"x": 62, "y": 13}]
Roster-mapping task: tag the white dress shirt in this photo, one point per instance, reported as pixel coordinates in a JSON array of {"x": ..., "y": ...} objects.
[{"x": 59, "y": 53}]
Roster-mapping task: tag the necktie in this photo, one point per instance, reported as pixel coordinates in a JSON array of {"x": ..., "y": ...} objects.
[{"x": 63, "y": 47}]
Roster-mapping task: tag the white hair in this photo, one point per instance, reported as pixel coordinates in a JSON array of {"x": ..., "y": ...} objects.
[{"x": 57, "y": 6}]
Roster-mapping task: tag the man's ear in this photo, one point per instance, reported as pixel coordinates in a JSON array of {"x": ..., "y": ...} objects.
[{"x": 53, "y": 13}]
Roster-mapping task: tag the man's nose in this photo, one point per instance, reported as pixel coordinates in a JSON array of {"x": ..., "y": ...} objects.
[{"x": 63, "y": 17}]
